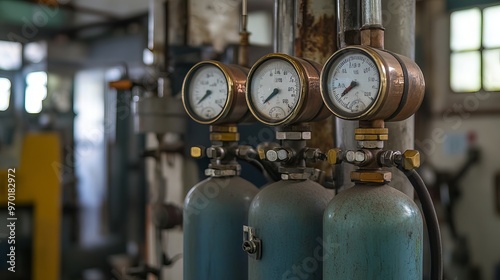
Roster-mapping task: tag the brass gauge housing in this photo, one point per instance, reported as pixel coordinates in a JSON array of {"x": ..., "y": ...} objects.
[
  {"x": 365, "y": 83},
  {"x": 283, "y": 90},
  {"x": 214, "y": 93}
]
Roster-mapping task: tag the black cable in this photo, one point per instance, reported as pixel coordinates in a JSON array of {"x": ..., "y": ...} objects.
[
  {"x": 432, "y": 223},
  {"x": 266, "y": 169}
]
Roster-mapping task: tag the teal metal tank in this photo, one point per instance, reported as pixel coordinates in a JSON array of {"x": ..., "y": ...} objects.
[
  {"x": 215, "y": 211},
  {"x": 287, "y": 219},
  {"x": 372, "y": 232}
]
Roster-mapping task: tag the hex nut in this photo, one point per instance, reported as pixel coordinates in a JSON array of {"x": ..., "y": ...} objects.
[
  {"x": 243, "y": 151},
  {"x": 332, "y": 156},
  {"x": 411, "y": 159}
]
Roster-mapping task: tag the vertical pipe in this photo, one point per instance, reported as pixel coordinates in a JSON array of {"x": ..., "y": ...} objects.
[
  {"x": 349, "y": 22},
  {"x": 399, "y": 27},
  {"x": 284, "y": 26},
  {"x": 315, "y": 39},
  {"x": 156, "y": 32},
  {"x": 244, "y": 36},
  {"x": 371, "y": 12},
  {"x": 167, "y": 25},
  {"x": 349, "y": 17}
]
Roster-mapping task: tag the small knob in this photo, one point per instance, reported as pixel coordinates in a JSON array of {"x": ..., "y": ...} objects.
[
  {"x": 272, "y": 155},
  {"x": 249, "y": 247},
  {"x": 197, "y": 152},
  {"x": 283, "y": 154}
]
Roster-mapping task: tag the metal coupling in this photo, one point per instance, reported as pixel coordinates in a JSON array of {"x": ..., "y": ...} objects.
[
  {"x": 409, "y": 160},
  {"x": 359, "y": 157},
  {"x": 389, "y": 158},
  {"x": 314, "y": 155},
  {"x": 279, "y": 154},
  {"x": 216, "y": 152},
  {"x": 244, "y": 151}
]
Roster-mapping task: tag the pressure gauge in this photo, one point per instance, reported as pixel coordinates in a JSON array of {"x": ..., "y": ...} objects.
[
  {"x": 214, "y": 93},
  {"x": 364, "y": 83},
  {"x": 282, "y": 89}
]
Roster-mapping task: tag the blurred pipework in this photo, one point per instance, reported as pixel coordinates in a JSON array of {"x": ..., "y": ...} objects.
[{"x": 249, "y": 140}]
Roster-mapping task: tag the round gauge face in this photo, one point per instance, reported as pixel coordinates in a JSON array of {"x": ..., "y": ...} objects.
[
  {"x": 275, "y": 90},
  {"x": 207, "y": 92},
  {"x": 352, "y": 83}
]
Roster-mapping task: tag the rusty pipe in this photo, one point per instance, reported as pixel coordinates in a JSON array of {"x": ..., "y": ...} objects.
[
  {"x": 244, "y": 37},
  {"x": 348, "y": 22}
]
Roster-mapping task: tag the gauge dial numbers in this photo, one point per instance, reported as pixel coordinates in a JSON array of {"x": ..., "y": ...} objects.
[
  {"x": 363, "y": 83},
  {"x": 213, "y": 92},
  {"x": 280, "y": 87}
]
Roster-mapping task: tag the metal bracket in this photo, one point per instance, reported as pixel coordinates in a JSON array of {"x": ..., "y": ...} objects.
[{"x": 251, "y": 244}]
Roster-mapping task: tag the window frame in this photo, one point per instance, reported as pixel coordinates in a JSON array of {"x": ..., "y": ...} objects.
[{"x": 481, "y": 49}]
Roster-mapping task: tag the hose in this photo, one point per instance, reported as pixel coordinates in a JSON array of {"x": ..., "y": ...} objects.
[
  {"x": 432, "y": 223},
  {"x": 270, "y": 174}
]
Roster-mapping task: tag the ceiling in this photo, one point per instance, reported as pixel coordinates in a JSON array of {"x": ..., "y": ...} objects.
[{"x": 74, "y": 15}]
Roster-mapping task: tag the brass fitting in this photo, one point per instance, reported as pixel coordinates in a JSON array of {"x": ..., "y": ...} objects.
[
  {"x": 371, "y": 176},
  {"x": 333, "y": 156},
  {"x": 262, "y": 153},
  {"x": 224, "y": 128},
  {"x": 197, "y": 152},
  {"x": 411, "y": 159},
  {"x": 225, "y": 137},
  {"x": 371, "y": 134},
  {"x": 224, "y": 133}
]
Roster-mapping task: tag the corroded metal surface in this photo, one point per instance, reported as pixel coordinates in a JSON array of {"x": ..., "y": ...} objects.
[{"x": 316, "y": 39}]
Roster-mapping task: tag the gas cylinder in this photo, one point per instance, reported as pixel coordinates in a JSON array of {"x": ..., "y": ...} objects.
[
  {"x": 215, "y": 211},
  {"x": 285, "y": 221},
  {"x": 372, "y": 232}
]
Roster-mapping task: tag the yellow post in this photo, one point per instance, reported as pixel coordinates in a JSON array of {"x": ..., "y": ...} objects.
[{"x": 37, "y": 184}]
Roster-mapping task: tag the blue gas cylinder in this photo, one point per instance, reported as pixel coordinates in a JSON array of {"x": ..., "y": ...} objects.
[
  {"x": 372, "y": 232},
  {"x": 215, "y": 211},
  {"x": 286, "y": 217}
]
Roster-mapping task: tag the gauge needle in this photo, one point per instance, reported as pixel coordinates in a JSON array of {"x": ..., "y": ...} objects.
[
  {"x": 275, "y": 91},
  {"x": 351, "y": 86},
  {"x": 205, "y": 96}
]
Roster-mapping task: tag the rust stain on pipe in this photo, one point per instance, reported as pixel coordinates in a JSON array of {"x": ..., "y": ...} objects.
[
  {"x": 316, "y": 39},
  {"x": 316, "y": 36}
]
